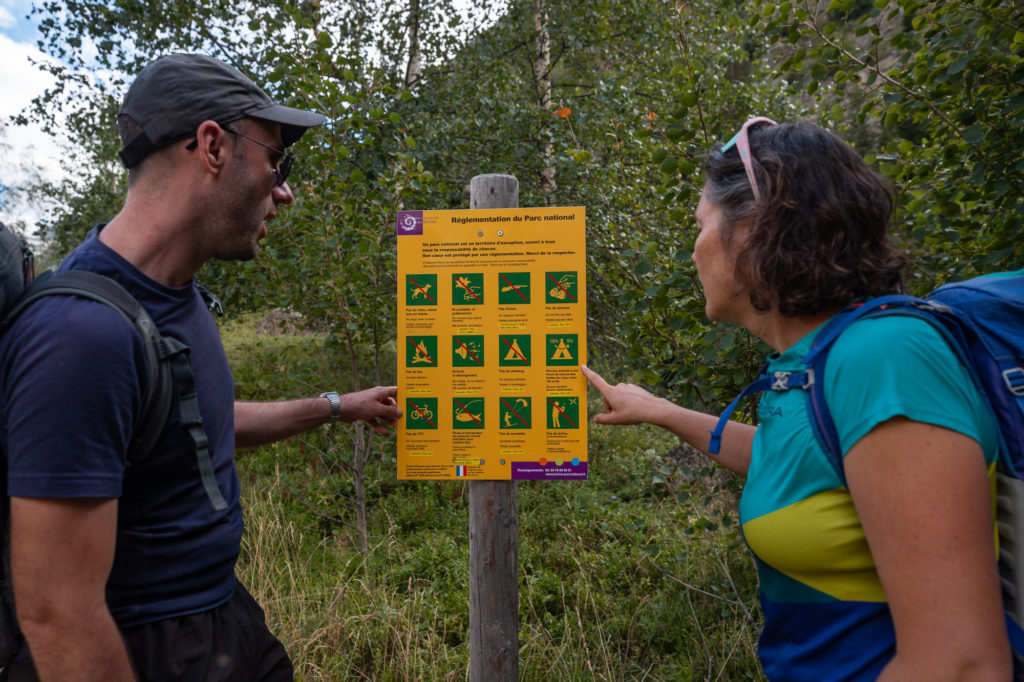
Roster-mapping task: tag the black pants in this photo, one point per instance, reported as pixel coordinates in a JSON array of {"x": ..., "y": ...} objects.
[{"x": 230, "y": 643}]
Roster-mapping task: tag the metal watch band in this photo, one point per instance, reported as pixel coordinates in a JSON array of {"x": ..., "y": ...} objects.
[{"x": 335, "y": 400}]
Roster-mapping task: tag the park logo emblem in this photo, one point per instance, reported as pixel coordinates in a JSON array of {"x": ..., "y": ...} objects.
[
  {"x": 513, "y": 288},
  {"x": 467, "y": 351},
  {"x": 514, "y": 350},
  {"x": 468, "y": 413},
  {"x": 468, "y": 288},
  {"x": 421, "y": 413},
  {"x": 563, "y": 350},
  {"x": 409, "y": 222},
  {"x": 514, "y": 412},
  {"x": 561, "y": 287},
  {"x": 420, "y": 290},
  {"x": 421, "y": 351},
  {"x": 563, "y": 412}
]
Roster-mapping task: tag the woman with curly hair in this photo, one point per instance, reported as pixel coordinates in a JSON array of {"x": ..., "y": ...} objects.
[{"x": 893, "y": 575}]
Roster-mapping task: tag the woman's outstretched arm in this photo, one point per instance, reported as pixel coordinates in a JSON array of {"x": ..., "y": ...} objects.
[{"x": 630, "y": 404}]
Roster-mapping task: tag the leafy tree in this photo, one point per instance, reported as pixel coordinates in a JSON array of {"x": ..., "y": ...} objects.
[
  {"x": 618, "y": 107},
  {"x": 939, "y": 88}
]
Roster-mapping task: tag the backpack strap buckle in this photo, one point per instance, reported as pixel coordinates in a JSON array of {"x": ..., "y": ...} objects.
[
  {"x": 1014, "y": 378},
  {"x": 783, "y": 381}
]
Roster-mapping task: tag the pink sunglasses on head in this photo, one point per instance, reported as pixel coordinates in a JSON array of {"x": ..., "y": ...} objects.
[{"x": 742, "y": 143}]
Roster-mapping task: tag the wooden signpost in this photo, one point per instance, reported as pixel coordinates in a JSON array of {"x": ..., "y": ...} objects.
[
  {"x": 491, "y": 333},
  {"x": 493, "y": 527}
]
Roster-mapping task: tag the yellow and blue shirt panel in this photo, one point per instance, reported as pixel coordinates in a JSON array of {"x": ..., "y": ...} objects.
[{"x": 825, "y": 610}]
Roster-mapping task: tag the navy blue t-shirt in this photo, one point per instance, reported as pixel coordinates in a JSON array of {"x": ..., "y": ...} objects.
[{"x": 72, "y": 380}]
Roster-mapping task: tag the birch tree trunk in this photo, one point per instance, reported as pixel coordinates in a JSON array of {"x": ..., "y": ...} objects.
[
  {"x": 542, "y": 72},
  {"x": 414, "y": 67}
]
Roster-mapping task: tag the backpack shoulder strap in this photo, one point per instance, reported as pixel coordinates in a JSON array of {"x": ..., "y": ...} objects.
[
  {"x": 178, "y": 358},
  {"x": 776, "y": 381},
  {"x": 156, "y": 402},
  {"x": 823, "y": 425},
  {"x": 809, "y": 379},
  {"x": 168, "y": 362},
  {"x": 812, "y": 378}
]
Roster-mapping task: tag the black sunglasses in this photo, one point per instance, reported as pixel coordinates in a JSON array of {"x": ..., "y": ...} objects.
[{"x": 280, "y": 172}]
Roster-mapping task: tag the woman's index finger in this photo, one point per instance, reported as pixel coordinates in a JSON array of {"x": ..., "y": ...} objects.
[{"x": 594, "y": 378}]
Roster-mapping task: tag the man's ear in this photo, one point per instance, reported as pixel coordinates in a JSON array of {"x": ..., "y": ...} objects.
[{"x": 211, "y": 145}]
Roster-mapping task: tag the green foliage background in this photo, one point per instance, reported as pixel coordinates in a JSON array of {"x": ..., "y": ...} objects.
[
  {"x": 929, "y": 91},
  {"x": 932, "y": 92}
]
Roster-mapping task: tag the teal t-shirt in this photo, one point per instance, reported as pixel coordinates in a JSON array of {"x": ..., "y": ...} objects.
[{"x": 826, "y": 615}]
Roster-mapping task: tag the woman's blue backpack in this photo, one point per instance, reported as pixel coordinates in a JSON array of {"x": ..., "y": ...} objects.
[{"x": 982, "y": 319}]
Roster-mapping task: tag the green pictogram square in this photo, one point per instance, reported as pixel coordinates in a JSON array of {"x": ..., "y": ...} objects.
[
  {"x": 562, "y": 350},
  {"x": 563, "y": 412},
  {"x": 514, "y": 350},
  {"x": 513, "y": 288},
  {"x": 468, "y": 288},
  {"x": 514, "y": 412},
  {"x": 421, "y": 413},
  {"x": 467, "y": 350},
  {"x": 468, "y": 413},
  {"x": 421, "y": 289},
  {"x": 421, "y": 351},
  {"x": 561, "y": 286}
]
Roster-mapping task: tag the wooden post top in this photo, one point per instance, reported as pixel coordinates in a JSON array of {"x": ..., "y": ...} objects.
[{"x": 494, "y": 190}]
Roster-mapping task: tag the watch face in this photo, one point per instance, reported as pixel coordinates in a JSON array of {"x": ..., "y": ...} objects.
[{"x": 335, "y": 400}]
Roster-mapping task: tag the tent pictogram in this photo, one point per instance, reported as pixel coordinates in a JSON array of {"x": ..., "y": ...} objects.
[
  {"x": 514, "y": 350},
  {"x": 562, "y": 350}
]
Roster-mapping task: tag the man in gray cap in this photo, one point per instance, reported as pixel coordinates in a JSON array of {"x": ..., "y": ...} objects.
[{"x": 126, "y": 571}]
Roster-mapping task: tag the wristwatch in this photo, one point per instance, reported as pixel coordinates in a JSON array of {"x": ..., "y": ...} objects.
[{"x": 335, "y": 400}]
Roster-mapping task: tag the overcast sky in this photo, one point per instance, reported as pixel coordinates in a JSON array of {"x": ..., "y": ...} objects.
[{"x": 20, "y": 81}]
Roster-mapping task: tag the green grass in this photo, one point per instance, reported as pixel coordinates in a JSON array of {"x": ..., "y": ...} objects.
[{"x": 636, "y": 574}]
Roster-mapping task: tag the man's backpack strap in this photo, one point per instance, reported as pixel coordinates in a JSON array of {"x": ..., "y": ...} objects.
[
  {"x": 178, "y": 355},
  {"x": 156, "y": 403},
  {"x": 168, "y": 363}
]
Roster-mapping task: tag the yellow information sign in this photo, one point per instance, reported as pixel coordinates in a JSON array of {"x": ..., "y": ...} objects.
[{"x": 492, "y": 329}]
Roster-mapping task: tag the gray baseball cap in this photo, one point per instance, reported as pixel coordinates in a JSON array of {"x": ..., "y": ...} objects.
[{"x": 177, "y": 92}]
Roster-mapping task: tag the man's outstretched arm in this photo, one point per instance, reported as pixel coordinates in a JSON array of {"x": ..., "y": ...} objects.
[{"x": 258, "y": 423}]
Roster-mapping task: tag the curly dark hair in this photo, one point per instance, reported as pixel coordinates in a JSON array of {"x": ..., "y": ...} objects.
[{"x": 817, "y": 237}]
